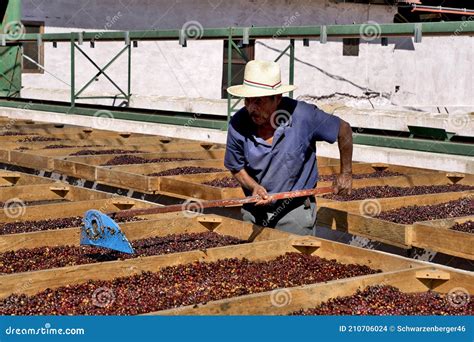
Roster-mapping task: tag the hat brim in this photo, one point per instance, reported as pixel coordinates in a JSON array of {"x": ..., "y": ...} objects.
[{"x": 249, "y": 91}]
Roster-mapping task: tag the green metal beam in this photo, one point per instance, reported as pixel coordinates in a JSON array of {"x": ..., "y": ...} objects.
[
  {"x": 12, "y": 30},
  {"x": 292, "y": 64},
  {"x": 434, "y": 146},
  {"x": 162, "y": 117},
  {"x": 229, "y": 74},
  {"x": 456, "y": 28}
]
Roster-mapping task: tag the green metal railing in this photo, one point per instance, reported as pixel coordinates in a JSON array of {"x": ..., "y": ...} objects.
[
  {"x": 458, "y": 28},
  {"x": 10, "y": 54},
  {"x": 231, "y": 35}
]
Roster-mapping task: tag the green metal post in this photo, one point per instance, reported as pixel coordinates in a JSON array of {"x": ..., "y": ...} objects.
[
  {"x": 11, "y": 55},
  {"x": 129, "y": 91},
  {"x": 73, "y": 71},
  {"x": 292, "y": 64},
  {"x": 229, "y": 74}
]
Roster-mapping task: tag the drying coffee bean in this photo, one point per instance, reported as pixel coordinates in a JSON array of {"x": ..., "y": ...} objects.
[
  {"x": 38, "y": 202},
  {"x": 48, "y": 224},
  {"x": 375, "y": 174},
  {"x": 96, "y": 152},
  {"x": 415, "y": 213},
  {"x": 395, "y": 191},
  {"x": 180, "y": 285},
  {"x": 185, "y": 170},
  {"x": 50, "y": 147},
  {"x": 39, "y": 139},
  {"x": 11, "y": 134},
  {"x": 40, "y": 258},
  {"x": 466, "y": 227},
  {"x": 226, "y": 182},
  {"x": 382, "y": 300},
  {"x": 122, "y": 160}
]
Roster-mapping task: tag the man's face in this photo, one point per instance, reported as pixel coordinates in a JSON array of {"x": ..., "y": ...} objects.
[{"x": 261, "y": 109}]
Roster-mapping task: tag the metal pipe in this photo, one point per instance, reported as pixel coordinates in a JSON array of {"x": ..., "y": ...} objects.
[
  {"x": 43, "y": 68},
  {"x": 292, "y": 64},
  {"x": 73, "y": 71},
  {"x": 229, "y": 74},
  {"x": 129, "y": 79},
  {"x": 440, "y": 9}
]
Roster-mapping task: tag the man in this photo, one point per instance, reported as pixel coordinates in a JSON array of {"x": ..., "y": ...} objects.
[{"x": 271, "y": 147}]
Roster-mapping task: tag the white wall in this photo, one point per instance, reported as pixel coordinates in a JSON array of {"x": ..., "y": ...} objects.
[{"x": 438, "y": 72}]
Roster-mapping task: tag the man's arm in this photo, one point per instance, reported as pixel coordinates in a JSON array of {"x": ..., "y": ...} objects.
[
  {"x": 343, "y": 183},
  {"x": 249, "y": 183}
]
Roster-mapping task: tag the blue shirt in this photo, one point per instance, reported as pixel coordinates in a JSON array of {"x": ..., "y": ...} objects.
[{"x": 289, "y": 163}]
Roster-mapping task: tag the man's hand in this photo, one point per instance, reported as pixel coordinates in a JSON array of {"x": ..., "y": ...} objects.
[
  {"x": 260, "y": 191},
  {"x": 343, "y": 184},
  {"x": 249, "y": 183}
]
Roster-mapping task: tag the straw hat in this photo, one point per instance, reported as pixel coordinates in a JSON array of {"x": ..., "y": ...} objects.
[{"x": 261, "y": 78}]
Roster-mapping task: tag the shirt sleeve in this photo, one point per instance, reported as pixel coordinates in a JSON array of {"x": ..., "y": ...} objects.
[
  {"x": 234, "y": 159},
  {"x": 324, "y": 126}
]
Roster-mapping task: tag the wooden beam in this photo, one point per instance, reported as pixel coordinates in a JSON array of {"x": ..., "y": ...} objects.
[
  {"x": 264, "y": 250},
  {"x": 287, "y": 300}
]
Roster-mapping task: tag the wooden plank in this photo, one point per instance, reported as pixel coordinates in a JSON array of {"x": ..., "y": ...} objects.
[
  {"x": 348, "y": 217},
  {"x": 160, "y": 226},
  {"x": 135, "y": 176},
  {"x": 85, "y": 133},
  {"x": 144, "y": 169},
  {"x": 118, "y": 141},
  {"x": 58, "y": 128},
  {"x": 383, "y": 231},
  {"x": 13, "y": 178},
  {"x": 390, "y": 203},
  {"x": 62, "y": 152},
  {"x": 264, "y": 250},
  {"x": 44, "y": 159},
  {"x": 85, "y": 167},
  {"x": 433, "y": 275},
  {"x": 192, "y": 185},
  {"x": 53, "y": 191},
  {"x": 287, "y": 300},
  {"x": 359, "y": 168},
  {"x": 48, "y": 211},
  {"x": 436, "y": 236},
  {"x": 406, "y": 182}
]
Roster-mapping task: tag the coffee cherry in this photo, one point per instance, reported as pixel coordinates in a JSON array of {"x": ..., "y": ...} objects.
[
  {"x": 388, "y": 300},
  {"x": 111, "y": 151},
  {"x": 49, "y": 224},
  {"x": 375, "y": 174},
  {"x": 126, "y": 159},
  {"x": 395, "y": 191},
  {"x": 40, "y": 258},
  {"x": 467, "y": 227},
  {"x": 226, "y": 182},
  {"x": 415, "y": 213},
  {"x": 186, "y": 170},
  {"x": 189, "y": 284},
  {"x": 39, "y": 139}
]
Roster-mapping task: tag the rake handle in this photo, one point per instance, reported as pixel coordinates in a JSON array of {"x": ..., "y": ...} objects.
[{"x": 222, "y": 203}]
